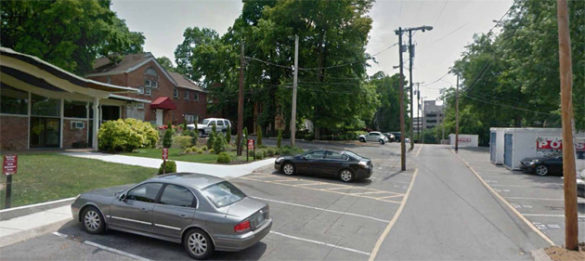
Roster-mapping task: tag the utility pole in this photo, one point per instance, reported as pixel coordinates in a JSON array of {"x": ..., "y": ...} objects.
[
  {"x": 402, "y": 132},
  {"x": 293, "y": 117},
  {"x": 241, "y": 102},
  {"x": 411, "y": 55},
  {"x": 569, "y": 170},
  {"x": 443, "y": 120},
  {"x": 457, "y": 116},
  {"x": 419, "y": 121}
]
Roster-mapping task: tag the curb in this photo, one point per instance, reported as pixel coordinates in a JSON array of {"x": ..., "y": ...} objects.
[
  {"x": 23, "y": 235},
  {"x": 11, "y": 213},
  {"x": 540, "y": 255}
]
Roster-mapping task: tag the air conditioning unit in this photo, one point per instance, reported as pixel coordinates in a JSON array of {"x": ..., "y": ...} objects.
[{"x": 77, "y": 125}]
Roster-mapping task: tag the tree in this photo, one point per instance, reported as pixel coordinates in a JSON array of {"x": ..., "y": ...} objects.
[
  {"x": 166, "y": 63},
  {"x": 67, "y": 33},
  {"x": 387, "y": 115},
  {"x": 184, "y": 55}
]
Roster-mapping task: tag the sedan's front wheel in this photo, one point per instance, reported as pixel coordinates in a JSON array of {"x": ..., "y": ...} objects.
[
  {"x": 346, "y": 175},
  {"x": 198, "y": 244},
  {"x": 541, "y": 170},
  {"x": 381, "y": 142},
  {"x": 93, "y": 222},
  {"x": 288, "y": 169}
]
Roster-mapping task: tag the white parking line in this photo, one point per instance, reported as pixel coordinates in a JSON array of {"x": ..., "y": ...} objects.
[
  {"x": 322, "y": 209},
  {"x": 544, "y": 199},
  {"x": 548, "y": 215},
  {"x": 321, "y": 243},
  {"x": 113, "y": 250}
]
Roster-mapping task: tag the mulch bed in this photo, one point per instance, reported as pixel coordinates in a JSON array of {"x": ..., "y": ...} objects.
[{"x": 557, "y": 253}]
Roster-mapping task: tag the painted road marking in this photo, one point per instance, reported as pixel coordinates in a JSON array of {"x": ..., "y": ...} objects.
[
  {"x": 549, "y": 215},
  {"x": 109, "y": 249},
  {"x": 419, "y": 149},
  {"x": 321, "y": 209},
  {"x": 390, "y": 196},
  {"x": 394, "y": 219},
  {"x": 321, "y": 243},
  {"x": 502, "y": 199},
  {"x": 328, "y": 190},
  {"x": 544, "y": 199}
]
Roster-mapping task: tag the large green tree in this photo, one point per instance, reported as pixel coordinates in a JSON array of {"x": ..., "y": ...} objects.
[{"x": 67, "y": 33}]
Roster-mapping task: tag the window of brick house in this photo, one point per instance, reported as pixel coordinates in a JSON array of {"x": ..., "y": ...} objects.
[
  {"x": 148, "y": 91},
  {"x": 150, "y": 78},
  {"x": 75, "y": 109},
  {"x": 176, "y": 93},
  {"x": 195, "y": 96},
  {"x": 186, "y": 95}
]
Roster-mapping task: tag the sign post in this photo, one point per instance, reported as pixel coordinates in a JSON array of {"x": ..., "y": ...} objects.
[
  {"x": 165, "y": 156},
  {"x": 9, "y": 168},
  {"x": 250, "y": 147}
]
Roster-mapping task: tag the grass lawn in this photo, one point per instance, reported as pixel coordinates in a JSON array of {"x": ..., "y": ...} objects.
[
  {"x": 50, "y": 176},
  {"x": 176, "y": 154}
]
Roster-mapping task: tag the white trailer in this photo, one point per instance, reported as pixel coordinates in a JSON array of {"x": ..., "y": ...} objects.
[
  {"x": 520, "y": 143},
  {"x": 465, "y": 140},
  {"x": 497, "y": 145}
]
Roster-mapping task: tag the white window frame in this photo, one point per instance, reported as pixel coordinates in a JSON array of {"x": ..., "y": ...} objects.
[
  {"x": 140, "y": 90},
  {"x": 175, "y": 93},
  {"x": 148, "y": 91}
]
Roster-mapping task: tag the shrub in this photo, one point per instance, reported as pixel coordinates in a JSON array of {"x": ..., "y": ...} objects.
[
  {"x": 219, "y": 143},
  {"x": 228, "y": 135},
  {"x": 223, "y": 158},
  {"x": 259, "y": 138},
  {"x": 126, "y": 135},
  {"x": 279, "y": 139},
  {"x": 169, "y": 126},
  {"x": 182, "y": 141},
  {"x": 252, "y": 153},
  {"x": 288, "y": 150},
  {"x": 210, "y": 151},
  {"x": 168, "y": 138},
  {"x": 270, "y": 152},
  {"x": 259, "y": 155},
  {"x": 211, "y": 139},
  {"x": 203, "y": 148},
  {"x": 170, "y": 167},
  {"x": 194, "y": 137}
]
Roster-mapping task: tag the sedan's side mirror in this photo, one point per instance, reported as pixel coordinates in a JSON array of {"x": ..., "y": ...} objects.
[{"x": 122, "y": 197}]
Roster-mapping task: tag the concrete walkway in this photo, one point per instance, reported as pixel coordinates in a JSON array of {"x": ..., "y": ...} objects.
[
  {"x": 22, "y": 228},
  {"x": 222, "y": 171}
]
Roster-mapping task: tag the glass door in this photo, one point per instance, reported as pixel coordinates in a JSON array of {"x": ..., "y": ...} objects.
[{"x": 44, "y": 132}]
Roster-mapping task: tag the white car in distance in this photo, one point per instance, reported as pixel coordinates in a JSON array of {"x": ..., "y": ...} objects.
[{"x": 374, "y": 136}]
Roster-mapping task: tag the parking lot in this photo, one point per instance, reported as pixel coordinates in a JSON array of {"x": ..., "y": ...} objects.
[
  {"x": 313, "y": 218},
  {"x": 538, "y": 199}
]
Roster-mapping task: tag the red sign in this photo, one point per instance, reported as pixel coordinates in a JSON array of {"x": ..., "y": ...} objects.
[
  {"x": 165, "y": 153},
  {"x": 553, "y": 143},
  {"x": 250, "y": 144},
  {"x": 10, "y": 164}
]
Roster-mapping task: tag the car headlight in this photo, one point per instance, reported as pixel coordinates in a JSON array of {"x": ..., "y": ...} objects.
[
  {"x": 533, "y": 162},
  {"x": 363, "y": 164},
  {"x": 279, "y": 159}
]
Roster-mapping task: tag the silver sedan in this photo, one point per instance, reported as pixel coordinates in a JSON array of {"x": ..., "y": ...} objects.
[{"x": 204, "y": 213}]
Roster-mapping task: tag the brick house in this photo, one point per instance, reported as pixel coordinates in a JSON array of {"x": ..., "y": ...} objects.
[{"x": 173, "y": 98}]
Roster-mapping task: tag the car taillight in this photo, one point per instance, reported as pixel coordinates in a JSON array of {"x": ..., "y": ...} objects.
[{"x": 243, "y": 226}]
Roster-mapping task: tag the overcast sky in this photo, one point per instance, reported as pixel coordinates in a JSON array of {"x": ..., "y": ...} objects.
[{"x": 454, "y": 22}]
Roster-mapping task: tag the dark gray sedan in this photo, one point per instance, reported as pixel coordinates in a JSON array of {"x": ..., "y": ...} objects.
[
  {"x": 204, "y": 213},
  {"x": 345, "y": 165}
]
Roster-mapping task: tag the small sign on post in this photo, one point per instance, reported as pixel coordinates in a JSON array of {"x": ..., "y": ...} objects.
[
  {"x": 165, "y": 156},
  {"x": 9, "y": 168}
]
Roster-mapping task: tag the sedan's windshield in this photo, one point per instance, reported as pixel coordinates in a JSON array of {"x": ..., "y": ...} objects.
[{"x": 223, "y": 194}]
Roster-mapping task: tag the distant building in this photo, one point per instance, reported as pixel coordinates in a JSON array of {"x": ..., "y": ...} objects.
[
  {"x": 417, "y": 124},
  {"x": 433, "y": 114}
]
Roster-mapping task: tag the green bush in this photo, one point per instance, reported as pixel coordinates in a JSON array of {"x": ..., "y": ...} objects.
[
  {"x": 228, "y": 135},
  {"x": 279, "y": 139},
  {"x": 223, "y": 158},
  {"x": 259, "y": 155},
  {"x": 194, "y": 137},
  {"x": 126, "y": 135},
  {"x": 259, "y": 138},
  {"x": 251, "y": 153},
  {"x": 168, "y": 138},
  {"x": 219, "y": 143},
  {"x": 210, "y": 151},
  {"x": 270, "y": 152},
  {"x": 182, "y": 141},
  {"x": 170, "y": 167},
  {"x": 288, "y": 150},
  {"x": 211, "y": 139}
]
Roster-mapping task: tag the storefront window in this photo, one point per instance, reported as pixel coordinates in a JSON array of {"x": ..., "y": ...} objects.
[
  {"x": 43, "y": 106},
  {"x": 13, "y": 101},
  {"x": 75, "y": 109}
]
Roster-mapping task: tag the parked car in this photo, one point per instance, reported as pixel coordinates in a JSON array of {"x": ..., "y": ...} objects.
[
  {"x": 375, "y": 136},
  {"x": 204, "y": 213},
  {"x": 390, "y": 136},
  {"x": 543, "y": 166},
  {"x": 345, "y": 165},
  {"x": 205, "y": 127},
  {"x": 397, "y": 136},
  {"x": 581, "y": 184}
]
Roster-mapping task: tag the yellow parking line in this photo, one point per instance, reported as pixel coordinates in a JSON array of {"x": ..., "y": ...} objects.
[
  {"x": 378, "y": 192},
  {"x": 393, "y": 220},
  {"x": 390, "y": 196}
]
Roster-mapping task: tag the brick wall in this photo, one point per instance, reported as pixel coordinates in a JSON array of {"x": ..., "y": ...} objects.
[
  {"x": 165, "y": 88},
  {"x": 71, "y": 136},
  {"x": 13, "y": 132}
]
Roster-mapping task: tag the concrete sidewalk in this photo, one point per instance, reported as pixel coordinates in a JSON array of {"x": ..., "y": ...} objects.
[
  {"x": 222, "y": 171},
  {"x": 25, "y": 227}
]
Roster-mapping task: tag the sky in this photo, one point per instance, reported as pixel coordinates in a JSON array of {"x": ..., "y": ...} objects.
[{"x": 454, "y": 24}]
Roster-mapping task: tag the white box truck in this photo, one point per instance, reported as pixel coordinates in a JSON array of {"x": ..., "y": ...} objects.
[{"x": 497, "y": 145}]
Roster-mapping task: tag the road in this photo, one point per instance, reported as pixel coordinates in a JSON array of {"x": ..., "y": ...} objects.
[{"x": 436, "y": 210}]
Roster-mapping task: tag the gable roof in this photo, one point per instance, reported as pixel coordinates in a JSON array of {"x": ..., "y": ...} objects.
[
  {"x": 183, "y": 82},
  {"x": 104, "y": 66}
]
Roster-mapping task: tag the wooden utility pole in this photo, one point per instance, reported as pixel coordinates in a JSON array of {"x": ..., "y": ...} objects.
[
  {"x": 457, "y": 116},
  {"x": 411, "y": 56},
  {"x": 293, "y": 117},
  {"x": 402, "y": 132},
  {"x": 241, "y": 102},
  {"x": 569, "y": 169},
  {"x": 419, "y": 121}
]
